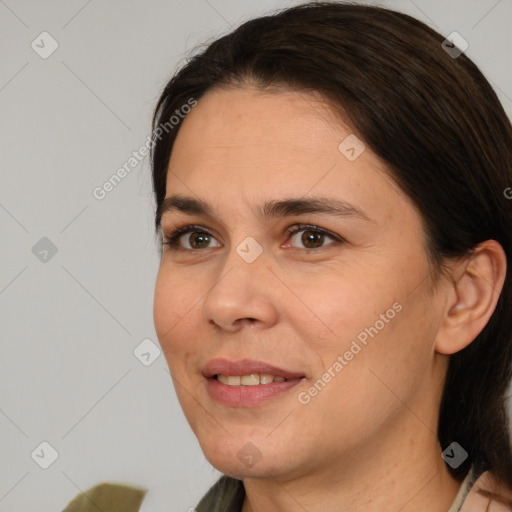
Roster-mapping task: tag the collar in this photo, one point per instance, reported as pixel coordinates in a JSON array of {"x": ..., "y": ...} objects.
[{"x": 474, "y": 493}]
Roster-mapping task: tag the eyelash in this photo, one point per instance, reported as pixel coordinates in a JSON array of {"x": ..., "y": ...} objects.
[{"x": 173, "y": 239}]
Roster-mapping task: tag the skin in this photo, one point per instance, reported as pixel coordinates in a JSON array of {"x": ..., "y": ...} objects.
[{"x": 367, "y": 441}]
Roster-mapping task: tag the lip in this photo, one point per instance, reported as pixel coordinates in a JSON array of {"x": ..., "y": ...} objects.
[
  {"x": 247, "y": 396},
  {"x": 245, "y": 367}
]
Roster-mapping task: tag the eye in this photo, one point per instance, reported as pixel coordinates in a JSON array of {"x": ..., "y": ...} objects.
[
  {"x": 195, "y": 237},
  {"x": 313, "y": 237}
]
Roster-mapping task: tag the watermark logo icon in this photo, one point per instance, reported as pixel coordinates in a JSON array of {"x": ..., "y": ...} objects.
[
  {"x": 44, "y": 455},
  {"x": 454, "y": 45},
  {"x": 455, "y": 455},
  {"x": 44, "y": 250},
  {"x": 249, "y": 249},
  {"x": 147, "y": 352},
  {"x": 44, "y": 45},
  {"x": 351, "y": 147},
  {"x": 249, "y": 454}
]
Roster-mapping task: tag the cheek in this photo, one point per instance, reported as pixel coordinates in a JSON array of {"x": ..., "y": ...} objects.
[
  {"x": 372, "y": 379},
  {"x": 390, "y": 355},
  {"x": 336, "y": 306},
  {"x": 173, "y": 311},
  {"x": 371, "y": 319}
]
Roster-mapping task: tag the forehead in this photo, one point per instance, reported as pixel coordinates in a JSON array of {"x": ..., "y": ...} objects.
[
  {"x": 232, "y": 121},
  {"x": 243, "y": 143}
]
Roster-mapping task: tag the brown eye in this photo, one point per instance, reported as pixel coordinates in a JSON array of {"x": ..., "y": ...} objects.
[
  {"x": 312, "y": 238},
  {"x": 198, "y": 240},
  {"x": 190, "y": 238}
]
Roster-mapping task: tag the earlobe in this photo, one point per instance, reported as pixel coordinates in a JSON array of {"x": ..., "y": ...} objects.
[{"x": 474, "y": 292}]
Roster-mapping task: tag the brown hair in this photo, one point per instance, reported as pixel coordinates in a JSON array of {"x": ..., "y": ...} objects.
[{"x": 440, "y": 128}]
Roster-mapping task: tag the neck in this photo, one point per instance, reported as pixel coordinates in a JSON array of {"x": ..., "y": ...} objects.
[{"x": 402, "y": 470}]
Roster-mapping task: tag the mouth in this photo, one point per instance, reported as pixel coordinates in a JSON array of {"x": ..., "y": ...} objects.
[
  {"x": 247, "y": 383},
  {"x": 248, "y": 371},
  {"x": 251, "y": 379}
]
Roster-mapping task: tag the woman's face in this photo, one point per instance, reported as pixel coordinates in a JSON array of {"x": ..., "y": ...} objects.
[{"x": 349, "y": 313}]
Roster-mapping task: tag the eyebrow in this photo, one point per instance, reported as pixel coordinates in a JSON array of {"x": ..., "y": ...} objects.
[{"x": 270, "y": 209}]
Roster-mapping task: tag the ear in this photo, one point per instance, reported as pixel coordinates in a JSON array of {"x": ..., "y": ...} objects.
[{"x": 476, "y": 284}]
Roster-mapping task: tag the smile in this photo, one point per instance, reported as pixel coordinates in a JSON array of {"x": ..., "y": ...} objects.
[{"x": 253, "y": 379}]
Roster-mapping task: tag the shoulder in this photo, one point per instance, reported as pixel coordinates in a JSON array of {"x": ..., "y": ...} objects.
[
  {"x": 226, "y": 495},
  {"x": 486, "y": 494}
]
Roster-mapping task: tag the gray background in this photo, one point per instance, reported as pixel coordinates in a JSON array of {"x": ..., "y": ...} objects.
[{"x": 70, "y": 324}]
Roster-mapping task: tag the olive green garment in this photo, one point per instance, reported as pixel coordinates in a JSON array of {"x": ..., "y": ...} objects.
[
  {"x": 226, "y": 495},
  {"x": 108, "y": 497}
]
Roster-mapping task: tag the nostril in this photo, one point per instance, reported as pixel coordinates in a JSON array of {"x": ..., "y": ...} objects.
[
  {"x": 237, "y": 321},
  {"x": 246, "y": 321}
]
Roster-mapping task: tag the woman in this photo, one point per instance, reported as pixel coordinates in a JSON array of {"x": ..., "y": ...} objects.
[{"x": 333, "y": 298}]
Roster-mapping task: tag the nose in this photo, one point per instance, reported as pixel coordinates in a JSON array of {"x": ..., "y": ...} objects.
[{"x": 242, "y": 295}]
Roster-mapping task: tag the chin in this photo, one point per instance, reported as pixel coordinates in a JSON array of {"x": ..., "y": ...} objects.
[
  {"x": 240, "y": 457},
  {"x": 240, "y": 469}
]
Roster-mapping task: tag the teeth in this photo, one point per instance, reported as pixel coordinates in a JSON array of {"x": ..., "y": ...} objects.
[
  {"x": 252, "y": 379},
  {"x": 232, "y": 380}
]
